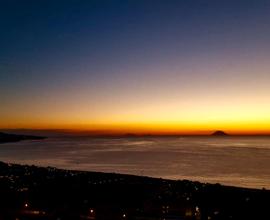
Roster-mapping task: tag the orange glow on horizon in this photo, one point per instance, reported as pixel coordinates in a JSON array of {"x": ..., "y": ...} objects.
[
  {"x": 157, "y": 128},
  {"x": 202, "y": 117},
  {"x": 163, "y": 108}
]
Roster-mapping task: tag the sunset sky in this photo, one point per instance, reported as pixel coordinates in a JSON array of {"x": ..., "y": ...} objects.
[{"x": 183, "y": 66}]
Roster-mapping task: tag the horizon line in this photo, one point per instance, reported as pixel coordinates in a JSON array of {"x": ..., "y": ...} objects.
[{"x": 108, "y": 132}]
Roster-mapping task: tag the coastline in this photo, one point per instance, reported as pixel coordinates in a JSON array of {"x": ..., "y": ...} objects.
[
  {"x": 8, "y": 138},
  {"x": 206, "y": 168},
  {"x": 50, "y": 193}
]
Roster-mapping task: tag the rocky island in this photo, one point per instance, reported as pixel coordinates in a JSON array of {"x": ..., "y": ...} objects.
[{"x": 219, "y": 133}]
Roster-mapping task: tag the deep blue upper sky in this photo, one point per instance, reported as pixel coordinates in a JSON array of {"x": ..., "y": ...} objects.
[{"x": 115, "y": 54}]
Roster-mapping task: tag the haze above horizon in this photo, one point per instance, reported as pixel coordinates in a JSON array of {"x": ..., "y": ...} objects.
[{"x": 159, "y": 67}]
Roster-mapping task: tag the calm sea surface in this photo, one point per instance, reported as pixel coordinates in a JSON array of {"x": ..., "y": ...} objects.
[{"x": 238, "y": 161}]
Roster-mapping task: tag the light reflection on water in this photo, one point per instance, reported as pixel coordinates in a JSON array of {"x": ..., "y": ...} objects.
[{"x": 239, "y": 161}]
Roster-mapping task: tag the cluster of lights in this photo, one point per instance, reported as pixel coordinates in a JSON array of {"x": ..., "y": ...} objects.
[{"x": 124, "y": 215}]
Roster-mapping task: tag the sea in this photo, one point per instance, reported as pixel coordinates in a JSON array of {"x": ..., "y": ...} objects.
[{"x": 233, "y": 160}]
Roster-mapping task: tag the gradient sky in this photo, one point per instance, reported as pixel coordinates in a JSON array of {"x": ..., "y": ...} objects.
[{"x": 135, "y": 66}]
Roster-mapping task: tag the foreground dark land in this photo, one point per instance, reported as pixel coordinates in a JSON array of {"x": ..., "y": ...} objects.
[{"x": 29, "y": 192}]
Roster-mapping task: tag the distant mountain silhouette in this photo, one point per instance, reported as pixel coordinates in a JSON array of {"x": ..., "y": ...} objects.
[
  {"x": 4, "y": 137},
  {"x": 219, "y": 133}
]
